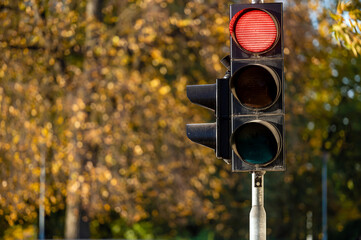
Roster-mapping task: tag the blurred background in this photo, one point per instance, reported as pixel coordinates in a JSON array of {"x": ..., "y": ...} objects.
[{"x": 93, "y": 102}]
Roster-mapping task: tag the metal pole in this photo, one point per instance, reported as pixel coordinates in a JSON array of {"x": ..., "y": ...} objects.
[
  {"x": 257, "y": 1},
  {"x": 324, "y": 195},
  {"x": 257, "y": 216},
  {"x": 42, "y": 198}
]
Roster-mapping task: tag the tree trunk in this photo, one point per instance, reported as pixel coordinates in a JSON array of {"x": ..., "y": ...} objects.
[
  {"x": 72, "y": 199},
  {"x": 71, "y": 217},
  {"x": 77, "y": 214}
]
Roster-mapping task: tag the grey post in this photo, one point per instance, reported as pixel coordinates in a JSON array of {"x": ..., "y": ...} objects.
[
  {"x": 42, "y": 196},
  {"x": 257, "y": 1},
  {"x": 324, "y": 195},
  {"x": 257, "y": 216}
]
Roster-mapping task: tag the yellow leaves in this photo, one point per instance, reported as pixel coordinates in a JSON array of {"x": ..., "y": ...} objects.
[
  {"x": 347, "y": 25},
  {"x": 105, "y": 193},
  {"x": 60, "y": 120},
  {"x": 11, "y": 218},
  {"x": 286, "y": 51},
  {"x": 211, "y": 169},
  {"x": 314, "y": 5},
  {"x": 134, "y": 95},
  {"x": 107, "y": 207},
  {"x": 315, "y": 61},
  {"x": 13, "y": 111},
  {"x": 99, "y": 51},
  {"x": 184, "y": 22},
  {"x": 323, "y": 28},
  {"x": 51, "y": 61},
  {"x": 73, "y": 187},
  {"x": 183, "y": 209},
  {"x": 216, "y": 63},
  {"x": 138, "y": 24},
  {"x": 109, "y": 160},
  {"x": 107, "y": 175},
  {"x": 350, "y": 184},
  {"x": 147, "y": 35},
  {"x": 138, "y": 150},
  {"x": 316, "y": 140},
  {"x": 181, "y": 84},
  {"x": 157, "y": 55},
  {"x": 113, "y": 182},
  {"x": 328, "y": 145},
  {"x": 45, "y": 132},
  {"x": 324, "y": 96},
  {"x": 56, "y": 166},
  {"x": 3, "y": 69},
  {"x": 342, "y": 6},
  {"x": 35, "y": 186},
  {"x": 216, "y": 184},
  {"x": 70, "y": 157},
  {"x": 67, "y": 33},
  {"x": 22, "y": 6},
  {"x": 164, "y": 90},
  {"x": 155, "y": 83},
  {"x": 16, "y": 139},
  {"x": 79, "y": 105}
]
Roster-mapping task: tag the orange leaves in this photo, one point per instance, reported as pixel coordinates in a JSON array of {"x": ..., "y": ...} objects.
[{"x": 104, "y": 103}]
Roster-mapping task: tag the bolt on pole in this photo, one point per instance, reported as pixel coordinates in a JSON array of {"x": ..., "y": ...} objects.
[{"x": 257, "y": 216}]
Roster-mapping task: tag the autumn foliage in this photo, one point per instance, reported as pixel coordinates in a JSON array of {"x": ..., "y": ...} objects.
[{"x": 96, "y": 90}]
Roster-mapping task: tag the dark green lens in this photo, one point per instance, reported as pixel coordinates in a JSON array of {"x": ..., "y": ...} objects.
[
  {"x": 255, "y": 143},
  {"x": 255, "y": 86}
]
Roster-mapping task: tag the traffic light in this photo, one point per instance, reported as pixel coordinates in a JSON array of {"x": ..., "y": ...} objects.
[
  {"x": 257, "y": 87},
  {"x": 215, "y": 97}
]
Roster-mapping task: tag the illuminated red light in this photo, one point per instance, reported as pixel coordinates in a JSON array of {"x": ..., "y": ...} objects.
[{"x": 254, "y": 30}]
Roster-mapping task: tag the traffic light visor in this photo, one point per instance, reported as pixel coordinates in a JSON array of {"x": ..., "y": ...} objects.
[
  {"x": 255, "y": 86},
  {"x": 254, "y": 30},
  {"x": 256, "y": 142}
]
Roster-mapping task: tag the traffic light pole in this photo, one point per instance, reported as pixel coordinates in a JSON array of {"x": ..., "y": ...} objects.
[
  {"x": 257, "y": 1},
  {"x": 257, "y": 216}
]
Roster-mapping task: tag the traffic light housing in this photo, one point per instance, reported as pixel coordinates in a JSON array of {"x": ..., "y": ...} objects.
[
  {"x": 215, "y": 97},
  {"x": 257, "y": 87}
]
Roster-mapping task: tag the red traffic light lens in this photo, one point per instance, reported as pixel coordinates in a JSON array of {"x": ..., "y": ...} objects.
[
  {"x": 254, "y": 30},
  {"x": 255, "y": 86}
]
